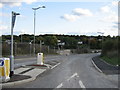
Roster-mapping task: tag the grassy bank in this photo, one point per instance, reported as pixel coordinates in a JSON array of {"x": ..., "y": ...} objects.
[{"x": 112, "y": 61}]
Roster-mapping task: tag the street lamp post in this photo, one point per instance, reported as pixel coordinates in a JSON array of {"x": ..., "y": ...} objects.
[
  {"x": 35, "y": 23},
  {"x": 12, "y": 56}
]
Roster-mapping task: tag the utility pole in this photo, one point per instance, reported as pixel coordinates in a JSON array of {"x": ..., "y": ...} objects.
[
  {"x": 40, "y": 46},
  {"x": 30, "y": 43},
  {"x": 48, "y": 49},
  {"x": 21, "y": 38},
  {"x": 30, "y": 48},
  {"x": 89, "y": 44},
  {"x": 102, "y": 38},
  {"x": 54, "y": 49}
]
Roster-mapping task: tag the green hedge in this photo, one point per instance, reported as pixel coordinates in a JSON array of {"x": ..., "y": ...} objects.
[{"x": 110, "y": 51}]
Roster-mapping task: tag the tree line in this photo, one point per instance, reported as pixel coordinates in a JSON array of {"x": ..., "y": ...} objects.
[
  {"x": 52, "y": 42},
  {"x": 70, "y": 41}
]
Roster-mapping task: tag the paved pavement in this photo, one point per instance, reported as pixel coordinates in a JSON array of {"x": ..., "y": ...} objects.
[
  {"x": 30, "y": 70},
  {"x": 26, "y": 74},
  {"x": 73, "y": 71}
]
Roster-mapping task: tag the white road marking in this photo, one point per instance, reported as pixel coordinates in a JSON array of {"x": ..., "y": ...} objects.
[
  {"x": 59, "y": 86},
  {"x": 55, "y": 66},
  {"x": 96, "y": 66},
  {"x": 75, "y": 74},
  {"x": 81, "y": 84}
]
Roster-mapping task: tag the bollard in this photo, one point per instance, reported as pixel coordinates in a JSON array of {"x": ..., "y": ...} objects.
[
  {"x": 4, "y": 69},
  {"x": 40, "y": 60}
]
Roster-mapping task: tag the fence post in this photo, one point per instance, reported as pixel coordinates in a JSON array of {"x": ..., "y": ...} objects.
[
  {"x": 54, "y": 49},
  {"x": 15, "y": 48},
  {"x": 48, "y": 49},
  {"x": 40, "y": 46},
  {"x": 30, "y": 48}
]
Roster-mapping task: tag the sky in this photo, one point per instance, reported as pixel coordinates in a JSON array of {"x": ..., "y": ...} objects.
[{"x": 78, "y": 17}]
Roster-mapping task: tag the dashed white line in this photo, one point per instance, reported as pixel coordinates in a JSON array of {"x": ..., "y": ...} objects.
[
  {"x": 55, "y": 66},
  {"x": 81, "y": 84},
  {"x": 59, "y": 86},
  {"x": 75, "y": 74}
]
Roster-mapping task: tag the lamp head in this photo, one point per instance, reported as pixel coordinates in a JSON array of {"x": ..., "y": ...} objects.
[
  {"x": 38, "y": 8},
  {"x": 43, "y": 7},
  {"x": 14, "y": 13}
]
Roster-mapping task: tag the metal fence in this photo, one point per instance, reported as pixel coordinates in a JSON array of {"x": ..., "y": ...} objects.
[{"x": 26, "y": 49}]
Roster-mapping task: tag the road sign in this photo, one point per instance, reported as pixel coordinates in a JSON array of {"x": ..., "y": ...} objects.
[
  {"x": 4, "y": 69},
  {"x": 1, "y": 62}
]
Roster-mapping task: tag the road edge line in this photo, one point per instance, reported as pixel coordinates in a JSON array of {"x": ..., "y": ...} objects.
[{"x": 96, "y": 66}]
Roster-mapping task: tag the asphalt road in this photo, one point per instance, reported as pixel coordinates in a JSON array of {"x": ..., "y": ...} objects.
[
  {"x": 33, "y": 60},
  {"x": 75, "y": 71}
]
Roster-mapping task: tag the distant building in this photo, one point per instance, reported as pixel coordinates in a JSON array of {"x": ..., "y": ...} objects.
[{"x": 80, "y": 42}]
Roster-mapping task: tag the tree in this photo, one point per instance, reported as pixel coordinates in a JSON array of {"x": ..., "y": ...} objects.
[
  {"x": 50, "y": 40},
  {"x": 70, "y": 42}
]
